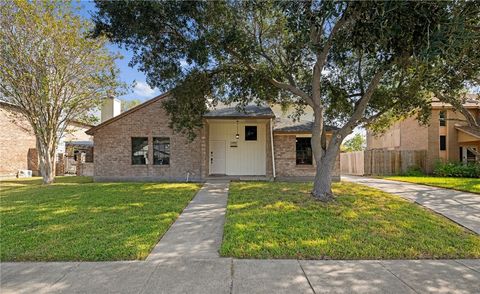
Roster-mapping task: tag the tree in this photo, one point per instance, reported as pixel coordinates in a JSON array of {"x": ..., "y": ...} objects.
[
  {"x": 51, "y": 71},
  {"x": 357, "y": 143},
  {"x": 127, "y": 104},
  {"x": 353, "y": 63},
  {"x": 455, "y": 77}
]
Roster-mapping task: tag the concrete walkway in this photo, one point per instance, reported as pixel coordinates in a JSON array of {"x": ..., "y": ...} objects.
[
  {"x": 198, "y": 231},
  {"x": 186, "y": 261},
  {"x": 461, "y": 207}
]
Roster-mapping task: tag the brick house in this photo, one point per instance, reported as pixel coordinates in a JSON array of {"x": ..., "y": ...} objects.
[
  {"x": 139, "y": 145},
  {"x": 447, "y": 137},
  {"x": 18, "y": 143}
]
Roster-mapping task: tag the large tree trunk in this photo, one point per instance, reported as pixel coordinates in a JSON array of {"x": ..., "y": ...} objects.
[
  {"x": 322, "y": 185},
  {"x": 325, "y": 157},
  {"x": 46, "y": 160}
]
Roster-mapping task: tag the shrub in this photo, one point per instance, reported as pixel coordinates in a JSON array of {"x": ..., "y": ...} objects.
[
  {"x": 456, "y": 169},
  {"x": 413, "y": 171}
]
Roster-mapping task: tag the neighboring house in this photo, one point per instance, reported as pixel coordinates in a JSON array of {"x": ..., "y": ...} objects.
[
  {"x": 139, "y": 145},
  {"x": 447, "y": 136},
  {"x": 18, "y": 143}
]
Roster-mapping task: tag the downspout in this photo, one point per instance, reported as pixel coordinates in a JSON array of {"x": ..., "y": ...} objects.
[{"x": 273, "y": 151}]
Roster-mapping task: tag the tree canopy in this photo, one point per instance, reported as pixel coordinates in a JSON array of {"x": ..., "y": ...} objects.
[
  {"x": 356, "y": 143},
  {"x": 127, "y": 104},
  {"x": 51, "y": 71},
  {"x": 355, "y": 63}
]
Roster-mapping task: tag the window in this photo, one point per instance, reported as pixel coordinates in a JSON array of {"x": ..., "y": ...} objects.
[
  {"x": 161, "y": 151},
  {"x": 442, "y": 118},
  {"x": 443, "y": 143},
  {"x": 250, "y": 133},
  {"x": 76, "y": 155},
  {"x": 139, "y": 150},
  {"x": 304, "y": 151}
]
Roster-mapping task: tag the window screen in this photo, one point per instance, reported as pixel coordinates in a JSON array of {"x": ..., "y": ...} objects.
[
  {"x": 250, "y": 133},
  {"x": 443, "y": 143},
  {"x": 161, "y": 151},
  {"x": 139, "y": 150},
  {"x": 304, "y": 151},
  {"x": 442, "y": 118}
]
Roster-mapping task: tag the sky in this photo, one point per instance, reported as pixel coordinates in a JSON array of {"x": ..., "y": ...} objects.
[{"x": 129, "y": 75}]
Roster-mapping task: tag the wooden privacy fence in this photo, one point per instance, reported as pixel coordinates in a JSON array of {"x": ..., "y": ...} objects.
[
  {"x": 352, "y": 163},
  {"x": 382, "y": 162}
]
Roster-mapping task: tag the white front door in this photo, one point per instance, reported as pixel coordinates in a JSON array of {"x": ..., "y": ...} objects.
[{"x": 217, "y": 157}]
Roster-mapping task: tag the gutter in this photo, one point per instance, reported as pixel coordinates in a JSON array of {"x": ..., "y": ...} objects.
[{"x": 273, "y": 151}]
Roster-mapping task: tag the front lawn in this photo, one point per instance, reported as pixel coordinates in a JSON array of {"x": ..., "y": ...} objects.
[
  {"x": 282, "y": 220},
  {"x": 76, "y": 219},
  {"x": 462, "y": 184}
]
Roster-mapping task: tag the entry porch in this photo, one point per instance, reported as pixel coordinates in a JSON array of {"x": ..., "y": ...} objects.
[
  {"x": 239, "y": 148},
  {"x": 469, "y": 144}
]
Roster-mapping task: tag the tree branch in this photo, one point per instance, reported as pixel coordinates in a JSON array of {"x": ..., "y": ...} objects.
[
  {"x": 458, "y": 104},
  {"x": 362, "y": 104},
  {"x": 284, "y": 86},
  {"x": 292, "y": 89},
  {"x": 323, "y": 54},
  {"x": 359, "y": 74}
]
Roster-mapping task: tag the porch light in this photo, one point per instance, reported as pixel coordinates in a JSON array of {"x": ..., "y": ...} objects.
[{"x": 237, "y": 135}]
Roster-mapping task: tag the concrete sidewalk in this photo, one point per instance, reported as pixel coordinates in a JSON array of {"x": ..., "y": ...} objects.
[
  {"x": 461, "y": 207},
  {"x": 225, "y": 275},
  {"x": 186, "y": 261}
]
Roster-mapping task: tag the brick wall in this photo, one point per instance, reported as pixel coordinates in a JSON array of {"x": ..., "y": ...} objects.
[
  {"x": 112, "y": 152},
  {"x": 16, "y": 139},
  {"x": 32, "y": 161},
  {"x": 285, "y": 159},
  {"x": 433, "y": 138},
  {"x": 60, "y": 165},
  {"x": 84, "y": 168},
  {"x": 413, "y": 136}
]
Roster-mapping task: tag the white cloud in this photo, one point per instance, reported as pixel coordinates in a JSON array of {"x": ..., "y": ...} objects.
[{"x": 142, "y": 89}]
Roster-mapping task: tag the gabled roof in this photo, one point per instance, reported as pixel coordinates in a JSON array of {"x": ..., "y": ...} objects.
[
  {"x": 469, "y": 130},
  {"x": 471, "y": 101},
  {"x": 123, "y": 114},
  {"x": 222, "y": 111},
  {"x": 286, "y": 125}
]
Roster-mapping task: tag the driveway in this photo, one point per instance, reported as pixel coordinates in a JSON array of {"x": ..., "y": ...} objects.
[{"x": 461, "y": 207}]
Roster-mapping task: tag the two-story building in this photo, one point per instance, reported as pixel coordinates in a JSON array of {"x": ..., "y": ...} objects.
[{"x": 447, "y": 137}]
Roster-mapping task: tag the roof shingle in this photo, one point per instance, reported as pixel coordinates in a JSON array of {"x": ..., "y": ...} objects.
[
  {"x": 232, "y": 111},
  {"x": 286, "y": 125}
]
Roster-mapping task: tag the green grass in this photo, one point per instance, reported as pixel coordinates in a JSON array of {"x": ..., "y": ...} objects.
[
  {"x": 282, "y": 220},
  {"x": 76, "y": 219},
  {"x": 462, "y": 184}
]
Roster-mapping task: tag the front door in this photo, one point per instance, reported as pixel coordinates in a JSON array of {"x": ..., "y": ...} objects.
[{"x": 217, "y": 157}]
